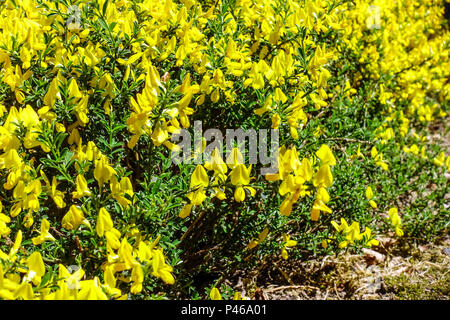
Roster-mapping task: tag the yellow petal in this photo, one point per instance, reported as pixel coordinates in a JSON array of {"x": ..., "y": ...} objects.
[
  {"x": 215, "y": 294},
  {"x": 185, "y": 211},
  {"x": 104, "y": 222},
  {"x": 199, "y": 177},
  {"x": 369, "y": 193},
  {"x": 326, "y": 155}
]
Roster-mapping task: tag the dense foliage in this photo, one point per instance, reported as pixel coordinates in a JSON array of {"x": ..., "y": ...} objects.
[{"x": 92, "y": 92}]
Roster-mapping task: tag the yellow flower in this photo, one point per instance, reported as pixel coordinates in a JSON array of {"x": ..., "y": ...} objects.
[
  {"x": 378, "y": 157},
  {"x": 110, "y": 283},
  {"x": 287, "y": 243},
  {"x": 56, "y": 195},
  {"x": 326, "y": 156},
  {"x": 161, "y": 269},
  {"x": 240, "y": 177},
  {"x": 119, "y": 190},
  {"x": 439, "y": 160},
  {"x": 137, "y": 276},
  {"x": 352, "y": 233},
  {"x": 4, "y": 219},
  {"x": 45, "y": 235},
  {"x": 113, "y": 238},
  {"x": 74, "y": 218},
  {"x": 103, "y": 171},
  {"x": 234, "y": 158},
  {"x": 261, "y": 237},
  {"x": 369, "y": 196},
  {"x": 16, "y": 246},
  {"x": 319, "y": 206},
  {"x": 73, "y": 89},
  {"x": 10, "y": 160},
  {"x": 91, "y": 290},
  {"x": 82, "y": 188},
  {"x": 323, "y": 177},
  {"x": 25, "y": 291},
  {"x": 396, "y": 221},
  {"x": 217, "y": 164},
  {"x": 104, "y": 222},
  {"x": 237, "y": 296},
  {"x": 199, "y": 181},
  {"x": 358, "y": 154},
  {"x": 367, "y": 236},
  {"x": 215, "y": 294},
  {"x": 199, "y": 177},
  {"x": 36, "y": 268},
  {"x": 276, "y": 120},
  {"x": 185, "y": 211}
]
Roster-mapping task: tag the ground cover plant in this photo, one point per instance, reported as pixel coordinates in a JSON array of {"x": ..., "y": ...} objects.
[{"x": 93, "y": 95}]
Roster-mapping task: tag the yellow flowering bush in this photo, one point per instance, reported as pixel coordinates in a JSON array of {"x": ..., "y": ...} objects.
[{"x": 93, "y": 95}]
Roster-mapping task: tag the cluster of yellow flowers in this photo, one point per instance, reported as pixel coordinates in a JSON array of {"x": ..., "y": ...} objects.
[
  {"x": 159, "y": 120},
  {"x": 26, "y": 23},
  {"x": 27, "y": 188},
  {"x": 239, "y": 177},
  {"x": 352, "y": 233},
  {"x": 57, "y": 73},
  {"x": 403, "y": 39},
  {"x": 365, "y": 25},
  {"x": 295, "y": 174},
  {"x": 17, "y": 277}
]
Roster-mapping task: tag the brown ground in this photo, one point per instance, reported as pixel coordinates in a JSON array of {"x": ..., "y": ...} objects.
[{"x": 394, "y": 270}]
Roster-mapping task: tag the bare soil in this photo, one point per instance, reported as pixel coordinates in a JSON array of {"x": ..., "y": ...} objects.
[{"x": 393, "y": 270}]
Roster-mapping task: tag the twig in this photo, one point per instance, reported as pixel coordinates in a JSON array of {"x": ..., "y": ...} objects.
[
  {"x": 336, "y": 291},
  {"x": 77, "y": 240},
  {"x": 290, "y": 287},
  {"x": 57, "y": 232},
  {"x": 285, "y": 275},
  {"x": 350, "y": 140},
  {"x": 189, "y": 230}
]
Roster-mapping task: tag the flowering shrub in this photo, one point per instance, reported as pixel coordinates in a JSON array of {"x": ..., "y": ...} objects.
[{"x": 93, "y": 95}]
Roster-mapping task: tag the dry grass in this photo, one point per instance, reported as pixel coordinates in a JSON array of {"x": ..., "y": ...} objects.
[{"x": 394, "y": 270}]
